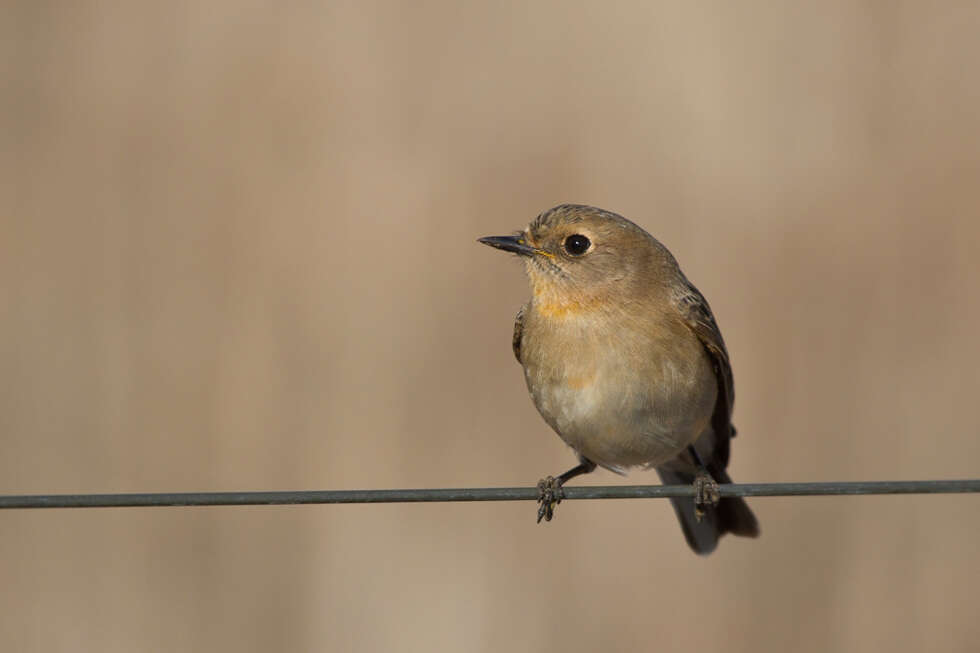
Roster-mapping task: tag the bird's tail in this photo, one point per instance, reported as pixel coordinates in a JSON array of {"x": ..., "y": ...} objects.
[{"x": 731, "y": 515}]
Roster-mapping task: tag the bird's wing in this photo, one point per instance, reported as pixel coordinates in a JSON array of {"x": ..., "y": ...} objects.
[
  {"x": 697, "y": 314},
  {"x": 518, "y": 332}
]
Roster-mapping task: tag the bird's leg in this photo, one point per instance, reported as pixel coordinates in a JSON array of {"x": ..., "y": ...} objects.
[
  {"x": 706, "y": 494},
  {"x": 549, "y": 488}
]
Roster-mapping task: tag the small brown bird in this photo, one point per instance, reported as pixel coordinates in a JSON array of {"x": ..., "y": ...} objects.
[{"x": 624, "y": 360}]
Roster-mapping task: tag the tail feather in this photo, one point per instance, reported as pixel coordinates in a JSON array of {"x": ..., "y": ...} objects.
[{"x": 731, "y": 515}]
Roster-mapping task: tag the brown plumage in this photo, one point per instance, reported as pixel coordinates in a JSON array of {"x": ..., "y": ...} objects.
[{"x": 624, "y": 360}]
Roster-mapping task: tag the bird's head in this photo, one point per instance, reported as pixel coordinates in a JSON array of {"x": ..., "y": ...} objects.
[{"x": 580, "y": 258}]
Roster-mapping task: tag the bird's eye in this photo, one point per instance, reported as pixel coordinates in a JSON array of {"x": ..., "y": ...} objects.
[{"x": 577, "y": 244}]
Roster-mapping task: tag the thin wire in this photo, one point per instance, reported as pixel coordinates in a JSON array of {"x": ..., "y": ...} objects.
[{"x": 476, "y": 494}]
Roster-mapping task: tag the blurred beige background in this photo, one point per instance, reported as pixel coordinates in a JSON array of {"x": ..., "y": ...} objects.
[{"x": 237, "y": 252}]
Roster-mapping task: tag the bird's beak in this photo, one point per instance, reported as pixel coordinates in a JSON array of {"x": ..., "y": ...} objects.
[{"x": 516, "y": 244}]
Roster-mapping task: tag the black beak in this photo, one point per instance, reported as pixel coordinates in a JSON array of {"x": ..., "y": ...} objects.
[{"x": 515, "y": 244}]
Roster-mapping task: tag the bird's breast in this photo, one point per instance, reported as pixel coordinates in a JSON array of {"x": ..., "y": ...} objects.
[{"x": 618, "y": 395}]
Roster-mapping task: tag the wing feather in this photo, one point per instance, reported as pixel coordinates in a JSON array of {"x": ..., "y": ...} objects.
[
  {"x": 699, "y": 318},
  {"x": 518, "y": 333}
]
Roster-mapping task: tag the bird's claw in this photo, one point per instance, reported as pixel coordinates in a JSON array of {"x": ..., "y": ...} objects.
[
  {"x": 550, "y": 495},
  {"x": 706, "y": 494}
]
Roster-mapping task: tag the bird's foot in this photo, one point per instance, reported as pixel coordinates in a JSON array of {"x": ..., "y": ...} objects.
[
  {"x": 550, "y": 495},
  {"x": 706, "y": 494}
]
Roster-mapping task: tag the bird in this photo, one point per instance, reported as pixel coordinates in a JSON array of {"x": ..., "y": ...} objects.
[{"x": 624, "y": 360}]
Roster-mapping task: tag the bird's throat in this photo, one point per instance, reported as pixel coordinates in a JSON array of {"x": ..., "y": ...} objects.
[
  {"x": 557, "y": 309},
  {"x": 555, "y": 299}
]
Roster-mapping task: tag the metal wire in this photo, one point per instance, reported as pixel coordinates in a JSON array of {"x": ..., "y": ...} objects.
[{"x": 476, "y": 494}]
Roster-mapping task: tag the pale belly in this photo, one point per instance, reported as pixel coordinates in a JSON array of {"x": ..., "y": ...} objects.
[{"x": 622, "y": 418}]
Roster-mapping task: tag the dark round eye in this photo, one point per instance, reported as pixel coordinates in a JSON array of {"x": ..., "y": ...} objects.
[{"x": 577, "y": 244}]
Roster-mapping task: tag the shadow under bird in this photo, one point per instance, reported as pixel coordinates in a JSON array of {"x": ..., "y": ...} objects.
[{"x": 624, "y": 360}]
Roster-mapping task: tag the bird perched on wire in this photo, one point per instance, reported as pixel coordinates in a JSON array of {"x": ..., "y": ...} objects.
[{"x": 624, "y": 360}]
